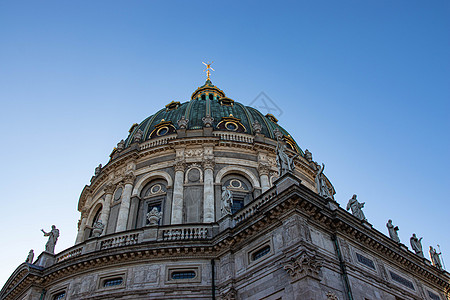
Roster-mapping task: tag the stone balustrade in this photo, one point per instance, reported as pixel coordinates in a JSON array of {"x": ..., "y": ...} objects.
[
  {"x": 252, "y": 208},
  {"x": 69, "y": 253},
  {"x": 234, "y": 136},
  {"x": 184, "y": 233},
  {"x": 157, "y": 142},
  {"x": 118, "y": 240}
]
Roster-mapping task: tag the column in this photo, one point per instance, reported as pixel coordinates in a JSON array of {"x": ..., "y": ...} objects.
[
  {"x": 208, "y": 191},
  {"x": 264, "y": 176},
  {"x": 124, "y": 209},
  {"x": 109, "y": 189},
  {"x": 81, "y": 227},
  {"x": 178, "y": 186}
]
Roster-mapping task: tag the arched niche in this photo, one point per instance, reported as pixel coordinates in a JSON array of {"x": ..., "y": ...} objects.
[
  {"x": 94, "y": 215},
  {"x": 153, "y": 195}
]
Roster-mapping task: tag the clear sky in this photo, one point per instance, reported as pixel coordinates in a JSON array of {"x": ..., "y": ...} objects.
[{"x": 364, "y": 85}]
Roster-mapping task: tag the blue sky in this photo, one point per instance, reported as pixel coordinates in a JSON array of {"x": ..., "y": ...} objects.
[{"x": 364, "y": 85}]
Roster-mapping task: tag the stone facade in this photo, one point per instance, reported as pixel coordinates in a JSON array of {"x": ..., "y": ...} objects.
[{"x": 282, "y": 241}]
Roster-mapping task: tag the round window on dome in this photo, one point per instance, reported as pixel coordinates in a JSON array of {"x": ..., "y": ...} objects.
[
  {"x": 162, "y": 131},
  {"x": 231, "y": 126}
]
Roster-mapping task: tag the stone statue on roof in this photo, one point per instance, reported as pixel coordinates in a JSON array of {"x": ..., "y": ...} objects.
[
  {"x": 356, "y": 208},
  {"x": 434, "y": 256},
  {"x": 393, "y": 234},
  {"x": 52, "y": 239},
  {"x": 416, "y": 244},
  {"x": 30, "y": 257},
  {"x": 284, "y": 162},
  {"x": 98, "y": 170},
  {"x": 321, "y": 185}
]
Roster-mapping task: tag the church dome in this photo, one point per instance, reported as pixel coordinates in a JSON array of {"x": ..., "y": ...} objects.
[{"x": 225, "y": 115}]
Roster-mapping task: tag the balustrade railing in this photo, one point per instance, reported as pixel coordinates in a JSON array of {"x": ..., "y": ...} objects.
[
  {"x": 177, "y": 233},
  {"x": 157, "y": 141},
  {"x": 119, "y": 240},
  {"x": 69, "y": 253},
  {"x": 233, "y": 136},
  {"x": 253, "y": 207}
]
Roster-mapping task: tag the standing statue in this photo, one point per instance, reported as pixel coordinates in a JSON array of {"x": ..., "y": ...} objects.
[
  {"x": 356, "y": 208},
  {"x": 227, "y": 201},
  {"x": 393, "y": 231},
  {"x": 97, "y": 229},
  {"x": 52, "y": 239},
  {"x": 416, "y": 244},
  {"x": 322, "y": 187},
  {"x": 30, "y": 257},
  {"x": 435, "y": 260},
  {"x": 154, "y": 216},
  {"x": 98, "y": 170},
  {"x": 284, "y": 162}
]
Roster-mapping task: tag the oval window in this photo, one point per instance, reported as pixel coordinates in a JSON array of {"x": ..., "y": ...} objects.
[
  {"x": 231, "y": 126},
  {"x": 183, "y": 275},
  {"x": 162, "y": 131}
]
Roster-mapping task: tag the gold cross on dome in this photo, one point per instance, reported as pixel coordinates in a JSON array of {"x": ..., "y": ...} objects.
[{"x": 208, "y": 68}]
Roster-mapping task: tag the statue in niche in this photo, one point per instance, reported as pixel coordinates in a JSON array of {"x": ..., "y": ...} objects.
[
  {"x": 393, "y": 234},
  {"x": 30, "y": 257},
  {"x": 154, "y": 216},
  {"x": 321, "y": 185},
  {"x": 227, "y": 201},
  {"x": 121, "y": 145},
  {"x": 356, "y": 207},
  {"x": 138, "y": 136},
  {"x": 52, "y": 239},
  {"x": 284, "y": 162},
  {"x": 97, "y": 229},
  {"x": 434, "y": 256},
  {"x": 98, "y": 170},
  {"x": 416, "y": 244}
]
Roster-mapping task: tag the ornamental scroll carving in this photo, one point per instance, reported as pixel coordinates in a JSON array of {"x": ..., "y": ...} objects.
[
  {"x": 303, "y": 265},
  {"x": 208, "y": 163}
]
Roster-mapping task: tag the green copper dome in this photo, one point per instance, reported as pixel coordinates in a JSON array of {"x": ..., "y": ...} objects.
[{"x": 208, "y": 100}]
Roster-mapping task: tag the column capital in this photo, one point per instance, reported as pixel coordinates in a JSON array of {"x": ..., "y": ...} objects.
[
  {"x": 208, "y": 163},
  {"x": 263, "y": 169},
  {"x": 129, "y": 178},
  {"x": 109, "y": 188},
  {"x": 180, "y": 165}
]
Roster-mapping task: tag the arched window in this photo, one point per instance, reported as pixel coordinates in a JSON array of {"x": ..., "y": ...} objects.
[
  {"x": 95, "y": 219},
  {"x": 153, "y": 198},
  {"x": 240, "y": 188}
]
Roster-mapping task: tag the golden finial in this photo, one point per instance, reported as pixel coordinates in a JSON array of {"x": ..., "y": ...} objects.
[{"x": 208, "y": 68}]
